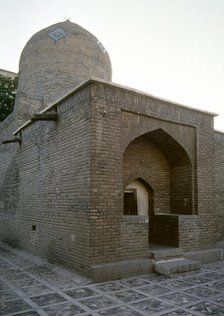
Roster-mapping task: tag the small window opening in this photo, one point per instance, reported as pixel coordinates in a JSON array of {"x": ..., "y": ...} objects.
[
  {"x": 34, "y": 227},
  {"x": 130, "y": 202}
]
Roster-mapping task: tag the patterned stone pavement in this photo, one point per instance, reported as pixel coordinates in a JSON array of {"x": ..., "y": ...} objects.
[{"x": 29, "y": 286}]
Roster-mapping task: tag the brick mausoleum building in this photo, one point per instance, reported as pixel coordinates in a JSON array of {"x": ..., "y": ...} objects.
[{"x": 94, "y": 174}]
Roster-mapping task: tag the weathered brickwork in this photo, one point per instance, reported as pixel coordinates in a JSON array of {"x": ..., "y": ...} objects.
[
  {"x": 219, "y": 184},
  {"x": 190, "y": 231},
  {"x": 134, "y": 237},
  {"x": 54, "y": 185},
  {"x": 58, "y": 58},
  {"x": 8, "y": 185},
  {"x": 62, "y": 187},
  {"x": 137, "y": 115}
]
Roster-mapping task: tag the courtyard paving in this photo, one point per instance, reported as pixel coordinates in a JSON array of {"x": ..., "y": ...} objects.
[{"x": 30, "y": 286}]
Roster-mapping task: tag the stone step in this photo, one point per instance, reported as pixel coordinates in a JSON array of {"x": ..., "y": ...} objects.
[
  {"x": 176, "y": 265},
  {"x": 165, "y": 253},
  {"x": 206, "y": 255},
  {"x": 220, "y": 244}
]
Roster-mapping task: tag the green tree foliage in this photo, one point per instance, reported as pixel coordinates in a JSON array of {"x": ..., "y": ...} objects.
[{"x": 8, "y": 88}]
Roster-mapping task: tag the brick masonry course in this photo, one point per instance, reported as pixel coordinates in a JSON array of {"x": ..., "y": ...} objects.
[{"x": 63, "y": 192}]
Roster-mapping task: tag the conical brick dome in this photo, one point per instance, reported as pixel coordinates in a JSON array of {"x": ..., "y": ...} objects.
[{"x": 58, "y": 58}]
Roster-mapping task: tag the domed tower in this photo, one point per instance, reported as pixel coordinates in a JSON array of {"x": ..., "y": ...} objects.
[{"x": 56, "y": 60}]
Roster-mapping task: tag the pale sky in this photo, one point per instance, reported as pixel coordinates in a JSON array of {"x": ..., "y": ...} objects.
[{"x": 173, "y": 49}]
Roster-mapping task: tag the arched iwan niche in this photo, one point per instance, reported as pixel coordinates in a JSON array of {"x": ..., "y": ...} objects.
[{"x": 161, "y": 161}]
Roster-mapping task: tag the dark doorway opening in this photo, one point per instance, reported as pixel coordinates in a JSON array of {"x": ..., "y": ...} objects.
[{"x": 130, "y": 202}]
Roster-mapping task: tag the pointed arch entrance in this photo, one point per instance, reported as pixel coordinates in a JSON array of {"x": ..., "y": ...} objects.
[{"x": 138, "y": 198}]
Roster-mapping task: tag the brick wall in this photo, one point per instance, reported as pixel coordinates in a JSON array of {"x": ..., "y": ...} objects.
[
  {"x": 134, "y": 237},
  {"x": 106, "y": 180},
  {"x": 219, "y": 184},
  {"x": 8, "y": 180},
  {"x": 68, "y": 176},
  {"x": 190, "y": 231},
  {"x": 122, "y": 116},
  {"x": 54, "y": 185}
]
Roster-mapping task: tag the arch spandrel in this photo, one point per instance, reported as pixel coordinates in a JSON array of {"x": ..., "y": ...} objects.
[{"x": 137, "y": 125}]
